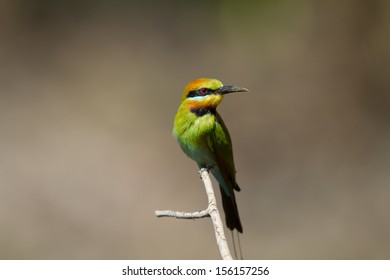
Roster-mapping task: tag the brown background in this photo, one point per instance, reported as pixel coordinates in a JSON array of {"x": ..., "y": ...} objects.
[{"x": 88, "y": 93}]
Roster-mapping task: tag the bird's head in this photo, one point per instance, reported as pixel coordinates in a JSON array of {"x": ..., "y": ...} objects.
[{"x": 207, "y": 93}]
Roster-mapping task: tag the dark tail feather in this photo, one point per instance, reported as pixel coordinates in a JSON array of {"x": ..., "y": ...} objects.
[{"x": 231, "y": 211}]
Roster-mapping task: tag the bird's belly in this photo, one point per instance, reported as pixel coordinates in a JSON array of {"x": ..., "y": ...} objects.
[{"x": 201, "y": 154}]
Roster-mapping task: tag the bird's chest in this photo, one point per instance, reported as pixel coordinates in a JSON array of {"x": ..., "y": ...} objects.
[
  {"x": 198, "y": 138},
  {"x": 201, "y": 129}
]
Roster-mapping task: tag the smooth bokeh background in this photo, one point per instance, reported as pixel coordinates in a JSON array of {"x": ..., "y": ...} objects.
[{"x": 88, "y": 93}]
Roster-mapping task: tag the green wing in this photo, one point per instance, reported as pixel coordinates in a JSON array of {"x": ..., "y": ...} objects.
[
  {"x": 226, "y": 174},
  {"x": 222, "y": 146}
]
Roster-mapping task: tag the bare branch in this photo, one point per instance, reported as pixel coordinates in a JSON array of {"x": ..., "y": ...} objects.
[
  {"x": 182, "y": 215},
  {"x": 211, "y": 211},
  {"x": 215, "y": 216}
]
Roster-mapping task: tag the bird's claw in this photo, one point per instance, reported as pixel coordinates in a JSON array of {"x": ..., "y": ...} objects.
[{"x": 208, "y": 168}]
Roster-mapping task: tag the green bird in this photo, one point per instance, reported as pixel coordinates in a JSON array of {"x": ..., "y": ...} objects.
[{"x": 203, "y": 136}]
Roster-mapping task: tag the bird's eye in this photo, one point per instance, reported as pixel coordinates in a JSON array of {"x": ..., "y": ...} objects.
[{"x": 203, "y": 91}]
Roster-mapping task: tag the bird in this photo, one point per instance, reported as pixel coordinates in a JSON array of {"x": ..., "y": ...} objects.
[{"x": 204, "y": 137}]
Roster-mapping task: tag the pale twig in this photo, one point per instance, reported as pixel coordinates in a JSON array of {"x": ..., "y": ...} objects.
[
  {"x": 211, "y": 211},
  {"x": 182, "y": 215}
]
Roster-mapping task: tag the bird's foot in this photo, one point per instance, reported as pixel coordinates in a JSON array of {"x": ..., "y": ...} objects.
[{"x": 208, "y": 168}]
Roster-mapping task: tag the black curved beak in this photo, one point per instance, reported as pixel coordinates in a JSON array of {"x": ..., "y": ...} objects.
[{"x": 230, "y": 89}]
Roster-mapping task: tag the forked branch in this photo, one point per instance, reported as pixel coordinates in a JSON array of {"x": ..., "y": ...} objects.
[{"x": 211, "y": 211}]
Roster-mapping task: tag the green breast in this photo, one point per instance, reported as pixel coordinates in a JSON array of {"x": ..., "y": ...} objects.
[{"x": 202, "y": 138}]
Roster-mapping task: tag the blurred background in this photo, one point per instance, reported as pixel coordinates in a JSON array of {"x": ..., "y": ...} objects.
[{"x": 88, "y": 93}]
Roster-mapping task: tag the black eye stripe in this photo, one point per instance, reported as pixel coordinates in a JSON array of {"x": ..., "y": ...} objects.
[{"x": 197, "y": 92}]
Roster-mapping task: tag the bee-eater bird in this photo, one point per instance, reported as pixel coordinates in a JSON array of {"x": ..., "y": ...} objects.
[{"x": 203, "y": 136}]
